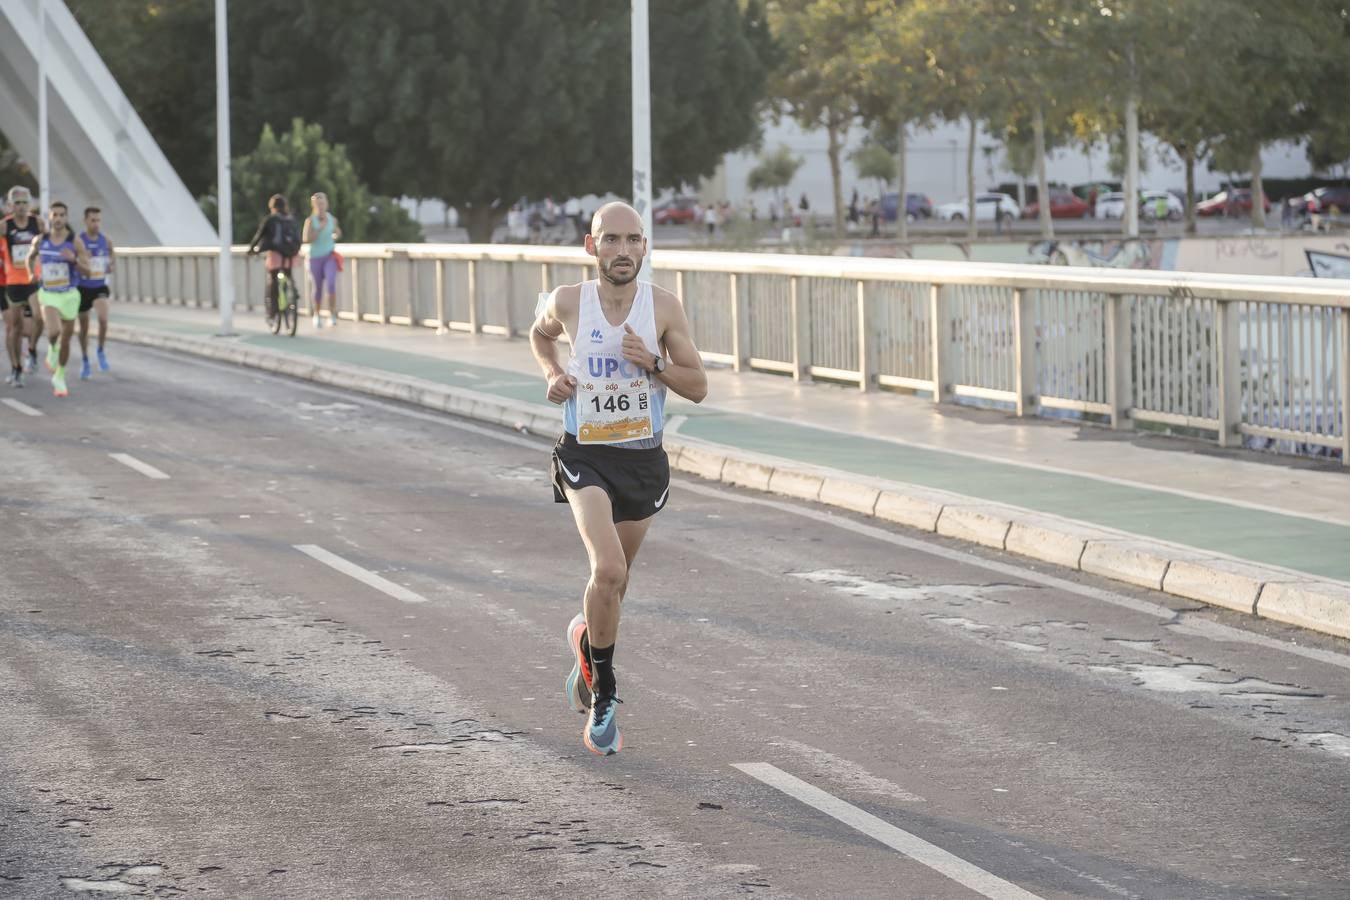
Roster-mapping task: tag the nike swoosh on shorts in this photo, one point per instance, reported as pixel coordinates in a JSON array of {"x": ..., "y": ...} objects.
[
  {"x": 570, "y": 477},
  {"x": 661, "y": 501}
]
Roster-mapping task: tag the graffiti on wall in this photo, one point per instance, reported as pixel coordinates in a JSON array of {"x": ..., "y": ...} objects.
[{"x": 1125, "y": 253}]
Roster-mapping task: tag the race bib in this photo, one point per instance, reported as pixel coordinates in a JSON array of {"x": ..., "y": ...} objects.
[
  {"x": 98, "y": 266},
  {"x": 56, "y": 276},
  {"x": 613, "y": 411},
  {"x": 19, "y": 253}
]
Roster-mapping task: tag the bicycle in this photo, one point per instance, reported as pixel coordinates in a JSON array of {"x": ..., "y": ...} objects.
[{"x": 288, "y": 301}]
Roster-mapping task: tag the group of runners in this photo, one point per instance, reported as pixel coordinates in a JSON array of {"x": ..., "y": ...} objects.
[{"x": 53, "y": 279}]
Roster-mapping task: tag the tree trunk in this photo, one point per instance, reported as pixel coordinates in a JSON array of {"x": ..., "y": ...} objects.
[
  {"x": 1188, "y": 157},
  {"x": 972, "y": 231},
  {"x": 1130, "y": 214},
  {"x": 902, "y": 186},
  {"x": 1042, "y": 184},
  {"x": 481, "y": 221},
  {"x": 1258, "y": 192},
  {"x": 836, "y": 172}
]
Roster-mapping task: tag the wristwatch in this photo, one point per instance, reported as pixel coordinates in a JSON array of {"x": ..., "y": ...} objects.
[{"x": 660, "y": 365}]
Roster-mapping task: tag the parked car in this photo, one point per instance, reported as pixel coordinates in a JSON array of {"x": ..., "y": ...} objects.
[
  {"x": 1320, "y": 201},
  {"x": 678, "y": 211},
  {"x": 917, "y": 206},
  {"x": 1235, "y": 202},
  {"x": 1151, "y": 205},
  {"x": 1110, "y": 205},
  {"x": 1063, "y": 205},
  {"x": 985, "y": 205}
]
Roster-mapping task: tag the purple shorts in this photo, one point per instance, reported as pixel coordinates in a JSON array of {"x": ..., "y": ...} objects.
[{"x": 323, "y": 270}]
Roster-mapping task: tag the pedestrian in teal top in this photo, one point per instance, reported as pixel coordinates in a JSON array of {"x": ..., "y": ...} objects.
[{"x": 321, "y": 233}]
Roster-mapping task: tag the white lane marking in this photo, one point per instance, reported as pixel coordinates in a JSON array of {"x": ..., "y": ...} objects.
[
  {"x": 1057, "y": 470},
  {"x": 21, "y": 407},
  {"x": 1194, "y": 624},
  {"x": 132, "y": 462},
  {"x": 365, "y": 576},
  {"x": 916, "y": 848}
]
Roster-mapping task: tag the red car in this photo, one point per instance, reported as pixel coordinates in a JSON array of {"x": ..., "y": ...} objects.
[
  {"x": 1231, "y": 203},
  {"x": 1063, "y": 205},
  {"x": 679, "y": 211}
]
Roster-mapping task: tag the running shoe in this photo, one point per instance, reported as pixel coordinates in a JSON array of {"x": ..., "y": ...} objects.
[
  {"x": 85, "y": 369},
  {"x": 332, "y": 320},
  {"x": 9, "y": 379},
  {"x": 578, "y": 683},
  {"x": 30, "y": 364},
  {"x": 318, "y": 321},
  {"x": 53, "y": 358},
  {"x": 602, "y": 730},
  {"x": 59, "y": 383},
  {"x": 18, "y": 378},
  {"x": 103, "y": 361}
]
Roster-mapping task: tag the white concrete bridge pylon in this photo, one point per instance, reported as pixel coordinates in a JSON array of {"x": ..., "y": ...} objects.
[{"x": 101, "y": 152}]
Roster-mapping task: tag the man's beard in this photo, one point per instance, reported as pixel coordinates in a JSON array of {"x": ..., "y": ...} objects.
[{"x": 619, "y": 278}]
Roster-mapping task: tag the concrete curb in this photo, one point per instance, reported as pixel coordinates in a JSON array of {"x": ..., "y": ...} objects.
[{"x": 1282, "y": 595}]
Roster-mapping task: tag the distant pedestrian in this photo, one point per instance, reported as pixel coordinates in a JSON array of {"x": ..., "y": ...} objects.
[
  {"x": 804, "y": 205},
  {"x": 874, "y": 211},
  {"x": 321, "y": 233},
  {"x": 853, "y": 208},
  {"x": 998, "y": 218},
  {"x": 1286, "y": 214},
  {"x": 572, "y": 210},
  {"x": 710, "y": 220}
]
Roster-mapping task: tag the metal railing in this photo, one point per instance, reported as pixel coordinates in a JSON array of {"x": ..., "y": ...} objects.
[{"x": 1247, "y": 359}]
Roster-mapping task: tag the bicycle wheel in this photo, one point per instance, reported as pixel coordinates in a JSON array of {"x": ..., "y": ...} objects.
[
  {"x": 273, "y": 317},
  {"x": 292, "y": 310}
]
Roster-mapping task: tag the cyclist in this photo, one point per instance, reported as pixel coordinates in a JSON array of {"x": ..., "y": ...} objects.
[{"x": 278, "y": 235}]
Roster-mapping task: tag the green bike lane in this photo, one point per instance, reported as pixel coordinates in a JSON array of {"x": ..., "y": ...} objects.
[{"x": 1269, "y": 537}]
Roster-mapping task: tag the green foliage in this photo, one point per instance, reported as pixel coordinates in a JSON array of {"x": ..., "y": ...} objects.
[
  {"x": 774, "y": 170},
  {"x": 473, "y": 103},
  {"x": 872, "y": 160},
  {"x": 299, "y": 163}
]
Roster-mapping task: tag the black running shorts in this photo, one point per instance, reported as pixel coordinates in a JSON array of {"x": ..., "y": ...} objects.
[
  {"x": 89, "y": 294},
  {"x": 19, "y": 293},
  {"x": 637, "y": 481}
]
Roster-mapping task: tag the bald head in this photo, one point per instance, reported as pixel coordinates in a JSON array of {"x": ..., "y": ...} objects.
[{"x": 617, "y": 217}]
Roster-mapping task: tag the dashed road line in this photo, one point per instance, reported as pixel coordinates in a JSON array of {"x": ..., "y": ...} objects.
[
  {"x": 365, "y": 576},
  {"x": 21, "y": 407},
  {"x": 144, "y": 468},
  {"x": 916, "y": 848}
]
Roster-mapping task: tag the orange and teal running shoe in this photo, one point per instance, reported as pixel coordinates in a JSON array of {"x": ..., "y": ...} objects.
[{"x": 578, "y": 683}]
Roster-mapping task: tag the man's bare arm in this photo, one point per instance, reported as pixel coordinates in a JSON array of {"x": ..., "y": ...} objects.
[
  {"x": 684, "y": 365},
  {"x": 544, "y": 344}
]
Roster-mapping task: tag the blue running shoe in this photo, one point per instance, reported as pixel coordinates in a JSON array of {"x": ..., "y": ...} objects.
[
  {"x": 103, "y": 361},
  {"x": 578, "y": 683},
  {"x": 85, "y": 370},
  {"x": 602, "y": 730}
]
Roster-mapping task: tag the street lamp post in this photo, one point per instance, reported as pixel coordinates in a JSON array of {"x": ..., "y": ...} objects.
[
  {"x": 642, "y": 128},
  {"x": 224, "y": 198},
  {"x": 44, "y": 172}
]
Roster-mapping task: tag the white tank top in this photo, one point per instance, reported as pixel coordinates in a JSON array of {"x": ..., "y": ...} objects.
[{"x": 615, "y": 401}]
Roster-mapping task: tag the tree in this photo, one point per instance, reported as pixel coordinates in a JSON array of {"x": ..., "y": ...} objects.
[
  {"x": 473, "y": 103},
  {"x": 873, "y": 160},
  {"x": 300, "y": 162},
  {"x": 818, "y": 78},
  {"x": 774, "y": 171}
]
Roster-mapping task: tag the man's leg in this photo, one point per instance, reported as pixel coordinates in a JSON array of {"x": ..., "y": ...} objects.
[
  {"x": 13, "y": 335},
  {"x": 84, "y": 333},
  {"x": 67, "y": 331},
  {"x": 101, "y": 310}
]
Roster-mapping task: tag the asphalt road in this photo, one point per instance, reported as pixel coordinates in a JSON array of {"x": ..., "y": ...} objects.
[{"x": 814, "y": 706}]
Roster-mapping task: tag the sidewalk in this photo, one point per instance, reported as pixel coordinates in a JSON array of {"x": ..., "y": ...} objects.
[{"x": 978, "y": 470}]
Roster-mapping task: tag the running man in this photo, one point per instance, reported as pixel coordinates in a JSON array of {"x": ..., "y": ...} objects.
[
  {"x": 630, "y": 343},
  {"x": 63, "y": 260},
  {"x": 94, "y": 292},
  {"x": 20, "y": 229},
  {"x": 322, "y": 233}
]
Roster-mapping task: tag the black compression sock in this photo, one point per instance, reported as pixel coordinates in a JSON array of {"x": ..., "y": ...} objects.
[{"x": 602, "y": 665}]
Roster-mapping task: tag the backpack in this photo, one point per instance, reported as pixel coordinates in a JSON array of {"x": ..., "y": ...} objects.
[{"x": 285, "y": 237}]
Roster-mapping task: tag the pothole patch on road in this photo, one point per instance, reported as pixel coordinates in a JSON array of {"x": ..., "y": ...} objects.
[
  {"x": 1201, "y": 678},
  {"x": 124, "y": 880}
]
